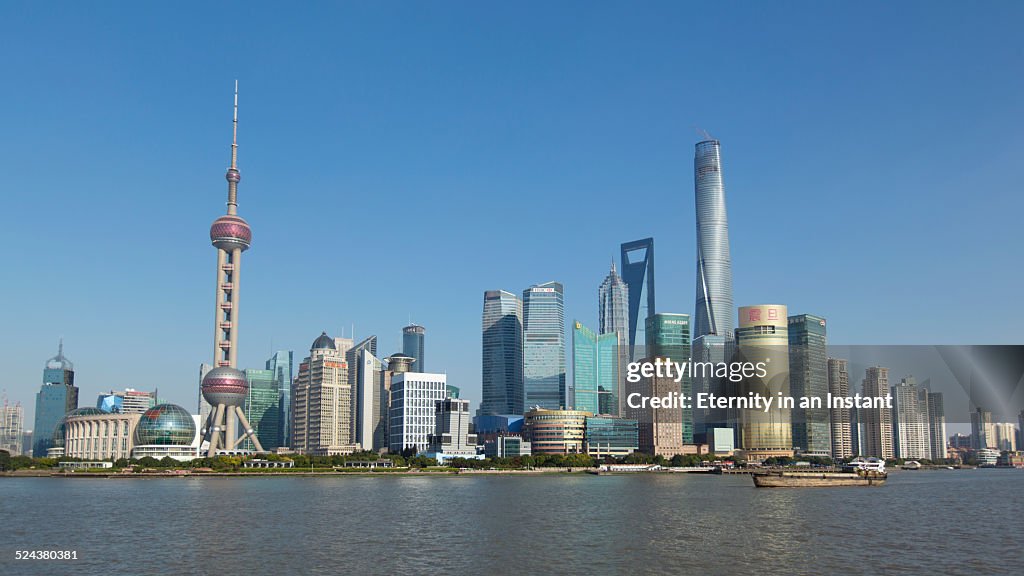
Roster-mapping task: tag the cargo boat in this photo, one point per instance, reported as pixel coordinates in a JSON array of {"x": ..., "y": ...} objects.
[{"x": 860, "y": 472}]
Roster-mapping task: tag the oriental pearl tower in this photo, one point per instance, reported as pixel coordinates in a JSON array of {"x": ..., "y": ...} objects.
[{"x": 225, "y": 387}]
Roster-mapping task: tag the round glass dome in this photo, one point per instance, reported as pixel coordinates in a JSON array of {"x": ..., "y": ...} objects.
[
  {"x": 61, "y": 428},
  {"x": 165, "y": 425}
]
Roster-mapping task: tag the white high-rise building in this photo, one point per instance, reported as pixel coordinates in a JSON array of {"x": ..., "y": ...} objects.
[
  {"x": 1006, "y": 436},
  {"x": 876, "y": 424},
  {"x": 413, "y": 405},
  {"x": 839, "y": 387},
  {"x": 910, "y": 421},
  {"x": 371, "y": 400},
  {"x": 12, "y": 424}
]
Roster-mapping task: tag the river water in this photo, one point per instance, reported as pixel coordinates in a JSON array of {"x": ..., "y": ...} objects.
[{"x": 921, "y": 522}]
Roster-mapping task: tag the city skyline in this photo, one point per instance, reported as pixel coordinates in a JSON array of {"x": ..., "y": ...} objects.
[{"x": 91, "y": 311}]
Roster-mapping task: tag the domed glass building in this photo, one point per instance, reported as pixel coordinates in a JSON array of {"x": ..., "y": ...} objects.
[
  {"x": 60, "y": 431},
  {"x": 165, "y": 425},
  {"x": 166, "y": 430}
]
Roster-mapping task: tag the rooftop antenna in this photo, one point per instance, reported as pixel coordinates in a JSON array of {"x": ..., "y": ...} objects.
[{"x": 703, "y": 133}]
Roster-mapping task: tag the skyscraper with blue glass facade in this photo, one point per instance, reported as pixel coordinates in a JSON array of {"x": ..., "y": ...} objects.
[
  {"x": 413, "y": 340},
  {"x": 595, "y": 372},
  {"x": 56, "y": 397},
  {"x": 808, "y": 376},
  {"x": 263, "y": 407},
  {"x": 544, "y": 347},
  {"x": 584, "y": 368},
  {"x": 281, "y": 364},
  {"x": 502, "y": 357}
]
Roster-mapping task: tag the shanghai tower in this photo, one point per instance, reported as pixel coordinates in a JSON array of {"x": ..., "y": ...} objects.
[{"x": 713, "y": 311}]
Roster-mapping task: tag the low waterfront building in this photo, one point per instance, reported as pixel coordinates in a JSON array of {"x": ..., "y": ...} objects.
[
  {"x": 58, "y": 438},
  {"x": 84, "y": 465},
  {"x": 260, "y": 463},
  {"x": 1011, "y": 459},
  {"x": 721, "y": 441},
  {"x": 490, "y": 426},
  {"x": 987, "y": 457},
  {"x": 556, "y": 431},
  {"x": 506, "y": 447},
  {"x": 167, "y": 430},
  {"x": 379, "y": 463},
  {"x": 100, "y": 436},
  {"x": 606, "y": 436}
]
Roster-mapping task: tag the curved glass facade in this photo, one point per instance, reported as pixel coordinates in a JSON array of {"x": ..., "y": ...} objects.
[
  {"x": 165, "y": 425},
  {"x": 412, "y": 345},
  {"x": 713, "y": 310},
  {"x": 61, "y": 429}
]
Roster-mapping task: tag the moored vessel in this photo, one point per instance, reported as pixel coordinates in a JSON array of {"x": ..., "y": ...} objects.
[{"x": 860, "y": 472}]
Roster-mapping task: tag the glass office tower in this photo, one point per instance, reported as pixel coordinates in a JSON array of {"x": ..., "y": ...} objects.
[
  {"x": 584, "y": 368},
  {"x": 281, "y": 364},
  {"x": 713, "y": 310},
  {"x": 638, "y": 274},
  {"x": 544, "y": 347},
  {"x": 56, "y": 397},
  {"x": 595, "y": 372},
  {"x": 502, "y": 359},
  {"x": 263, "y": 408},
  {"x": 808, "y": 376},
  {"x": 668, "y": 337},
  {"x": 413, "y": 337}
]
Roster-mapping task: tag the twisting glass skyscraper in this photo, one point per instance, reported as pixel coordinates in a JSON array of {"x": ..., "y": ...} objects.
[
  {"x": 502, "y": 368},
  {"x": 713, "y": 312},
  {"x": 544, "y": 347}
]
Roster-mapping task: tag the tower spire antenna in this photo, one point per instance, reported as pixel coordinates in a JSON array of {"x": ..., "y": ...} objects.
[
  {"x": 233, "y": 176},
  {"x": 234, "y": 132}
]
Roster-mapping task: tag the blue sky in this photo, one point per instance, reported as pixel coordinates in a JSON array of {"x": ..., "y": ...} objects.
[{"x": 399, "y": 159}]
